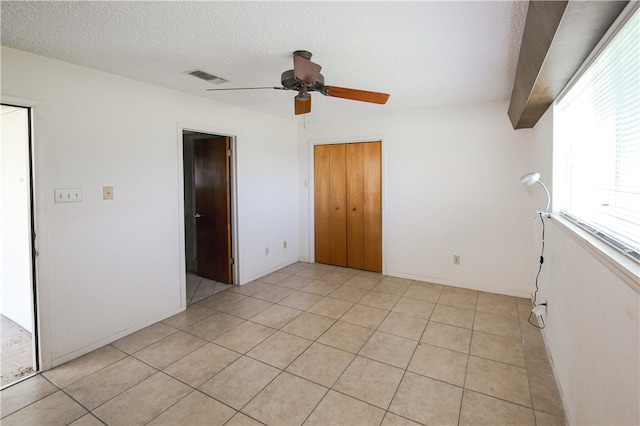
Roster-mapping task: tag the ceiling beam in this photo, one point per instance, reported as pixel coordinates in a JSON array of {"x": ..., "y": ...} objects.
[{"x": 558, "y": 36}]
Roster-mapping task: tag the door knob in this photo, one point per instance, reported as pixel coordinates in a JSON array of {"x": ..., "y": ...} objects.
[
  {"x": 337, "y": 208},
  {"x": 197, "y": 215},
  {"x": 354, "y": 209}
]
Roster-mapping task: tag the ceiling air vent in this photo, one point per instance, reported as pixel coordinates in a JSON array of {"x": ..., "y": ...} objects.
[{"x": 207, "y": 77}]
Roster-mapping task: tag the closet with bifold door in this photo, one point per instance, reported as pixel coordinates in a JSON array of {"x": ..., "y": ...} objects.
[{"x": 348, "y": 205}]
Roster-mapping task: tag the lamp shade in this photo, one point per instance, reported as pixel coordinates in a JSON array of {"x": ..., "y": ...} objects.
[
  {"x": 533, "y": 178},
  {"x": 530, "y": 178}
]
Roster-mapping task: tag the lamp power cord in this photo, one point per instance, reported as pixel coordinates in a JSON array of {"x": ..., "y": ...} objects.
[{"x": 538, "y": 312}]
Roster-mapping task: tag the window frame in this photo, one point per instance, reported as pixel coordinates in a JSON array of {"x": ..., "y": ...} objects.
[{"x": 625, "y": 265}]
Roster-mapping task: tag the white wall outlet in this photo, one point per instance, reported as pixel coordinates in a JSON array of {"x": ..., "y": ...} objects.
[
  {"x": 284, "y": 244},
  {"x": 266, "y": 251},
  {"x": 456, "y": 259},
  {"x": 107, "y": 192},
  {"x": 67, "y": 195}
]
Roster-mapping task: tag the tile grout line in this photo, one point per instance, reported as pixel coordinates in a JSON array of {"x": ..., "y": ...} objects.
[
  {"x": 316, "y": 341},
  {"x": 466, "y": 367},
  {"x": 355, "y": 356},
  {"x": 535, "y": 420},
  {"x": 410, "y": 359}
]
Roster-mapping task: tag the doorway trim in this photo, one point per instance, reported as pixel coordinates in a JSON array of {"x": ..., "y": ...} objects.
[
  {"x": 181, "y": 127},
  {"x": 311, "y": 179},
  {"x": 37, "y": 237}
]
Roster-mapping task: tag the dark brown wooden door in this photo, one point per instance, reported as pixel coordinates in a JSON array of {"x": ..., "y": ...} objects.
[
  {"x": 213, "y": 208},
  {"x": 348, "y": 205}
]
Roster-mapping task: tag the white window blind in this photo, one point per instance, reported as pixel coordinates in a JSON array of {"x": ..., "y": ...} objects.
[{"x": 597, "y": 127}]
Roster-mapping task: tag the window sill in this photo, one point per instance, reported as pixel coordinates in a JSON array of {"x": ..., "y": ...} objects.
[{"x": 623, "y": 266}]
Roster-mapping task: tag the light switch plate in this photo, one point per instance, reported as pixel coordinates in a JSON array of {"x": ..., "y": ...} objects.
[{"x": 67, "y": 195}]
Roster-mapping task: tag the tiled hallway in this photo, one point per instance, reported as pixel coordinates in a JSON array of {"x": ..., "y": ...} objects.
[
  {"x": 311, "y": 344},
  {"x": 17, "y": 352}
]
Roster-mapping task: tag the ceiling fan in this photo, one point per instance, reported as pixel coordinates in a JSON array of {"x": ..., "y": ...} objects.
[{"x": 305, "y": 77}]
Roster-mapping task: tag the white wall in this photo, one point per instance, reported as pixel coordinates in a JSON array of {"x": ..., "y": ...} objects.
[
  {"x": 593, "y": 324},
  {"x": 100, "y": 259},
  {"x": 450, "y": 186},
  {"x": 16, "y": 294}
]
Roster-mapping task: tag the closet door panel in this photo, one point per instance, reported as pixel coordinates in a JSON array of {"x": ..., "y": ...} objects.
[
  {"x": 337, "y": 203},
  {"x": 355, "y": 205},
  {"x": 322, "y": 171},
  {"x": 348, "y": 205},
  {"x": 372, "y": 194}
]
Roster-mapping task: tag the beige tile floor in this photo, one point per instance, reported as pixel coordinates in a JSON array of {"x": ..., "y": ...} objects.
[
  {"x": 199, "y": 288},
  {"x": 311, "y": 344},
  {"x": 16, "y": 352}
]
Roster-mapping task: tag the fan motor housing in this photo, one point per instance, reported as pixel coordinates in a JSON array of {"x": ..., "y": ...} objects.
[{"x": 288, "y": 80}]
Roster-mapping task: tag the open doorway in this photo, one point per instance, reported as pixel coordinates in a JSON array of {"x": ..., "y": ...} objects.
[
  {"x": 208, "y": 213},
  {"x": 17, "y": 306}
]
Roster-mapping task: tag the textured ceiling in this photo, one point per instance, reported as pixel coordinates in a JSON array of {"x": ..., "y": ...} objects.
[{"x": 423, "y": 53}]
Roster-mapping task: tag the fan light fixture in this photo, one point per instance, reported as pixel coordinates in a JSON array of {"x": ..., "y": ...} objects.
[{"x": 531, "y": 179}]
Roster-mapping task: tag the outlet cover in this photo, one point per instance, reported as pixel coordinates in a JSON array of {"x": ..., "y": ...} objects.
[{"x": 107, "y": 192}]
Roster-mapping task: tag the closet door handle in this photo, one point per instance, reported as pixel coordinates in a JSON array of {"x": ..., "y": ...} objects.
[
  {"x": 354, "y": 209},
  {"x": 337, "y": 208}
]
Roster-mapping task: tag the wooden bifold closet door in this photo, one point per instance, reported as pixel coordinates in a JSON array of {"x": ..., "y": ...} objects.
[{"x": 348, "y": 205}]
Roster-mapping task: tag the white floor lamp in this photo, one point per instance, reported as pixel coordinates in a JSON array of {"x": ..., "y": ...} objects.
[
  {"x": 532, "y": 178},
  {"x": 539, "y": 309}
]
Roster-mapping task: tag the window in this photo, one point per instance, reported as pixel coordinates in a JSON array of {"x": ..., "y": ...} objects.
[{"x": 597, "y": 144}]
